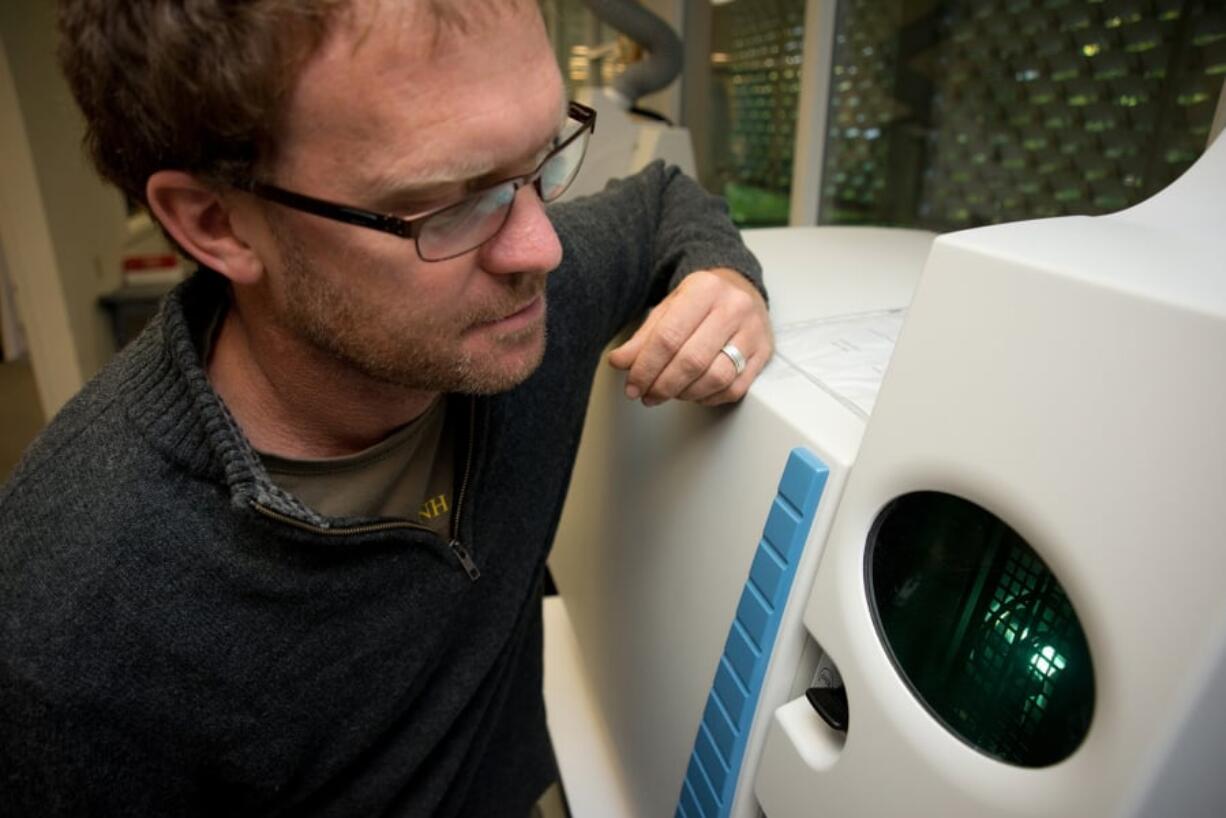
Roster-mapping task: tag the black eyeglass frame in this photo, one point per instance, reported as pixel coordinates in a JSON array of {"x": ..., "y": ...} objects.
[{"x": 411, "y": 228}]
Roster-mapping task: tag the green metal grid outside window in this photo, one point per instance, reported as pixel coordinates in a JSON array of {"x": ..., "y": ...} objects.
[{"x": 955, "y": 113}]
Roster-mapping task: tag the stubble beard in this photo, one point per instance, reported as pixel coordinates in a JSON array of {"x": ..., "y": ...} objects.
[{"x": 418, "y": 351}]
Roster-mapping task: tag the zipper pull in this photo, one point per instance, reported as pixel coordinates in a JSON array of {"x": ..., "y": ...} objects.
[{"x": 466, "y": 560}]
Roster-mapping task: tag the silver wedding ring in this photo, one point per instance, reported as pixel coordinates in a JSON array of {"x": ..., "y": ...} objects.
[{"x": 736, "y": 356}]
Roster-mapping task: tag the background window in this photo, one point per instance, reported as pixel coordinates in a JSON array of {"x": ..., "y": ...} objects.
[
  {"x": 947, "y": 114},
  {"x": 756, "y": 52}
]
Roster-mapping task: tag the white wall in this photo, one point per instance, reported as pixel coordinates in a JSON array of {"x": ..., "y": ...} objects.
[
  {"x": 30, "y": 259},
  {"x": 85, "y": 219}
]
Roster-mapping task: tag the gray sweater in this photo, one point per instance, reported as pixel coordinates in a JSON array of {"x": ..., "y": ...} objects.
[{"x": 180, "y": 637}]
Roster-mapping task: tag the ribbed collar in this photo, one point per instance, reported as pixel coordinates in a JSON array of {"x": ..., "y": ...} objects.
[{"x": 168, "y": 395}]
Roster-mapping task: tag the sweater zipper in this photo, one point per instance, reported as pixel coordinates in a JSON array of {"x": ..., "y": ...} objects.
[
  {"x": 457, "y": 547},
  {"x": 462, "y": 554}
]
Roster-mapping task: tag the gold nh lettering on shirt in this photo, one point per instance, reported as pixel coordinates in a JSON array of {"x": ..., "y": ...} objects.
[{"x": 434, "y": 507}]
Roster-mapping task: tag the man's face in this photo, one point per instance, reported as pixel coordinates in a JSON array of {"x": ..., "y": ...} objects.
[{"x": 401, "y": 113}]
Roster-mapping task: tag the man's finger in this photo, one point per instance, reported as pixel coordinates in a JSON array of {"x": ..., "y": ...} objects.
[
  {"x": 667, "y": 336},
  {"x": 737, "y": 389},
  {"x": 698, "y": 359},
  {"x": 677, "y": 351},
  {"x": 623, "y": 356},
  {"x": 720, "y": 375}
]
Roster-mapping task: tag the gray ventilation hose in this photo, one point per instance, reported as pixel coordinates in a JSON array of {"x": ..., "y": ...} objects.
[{"x": 654, "y": 35}]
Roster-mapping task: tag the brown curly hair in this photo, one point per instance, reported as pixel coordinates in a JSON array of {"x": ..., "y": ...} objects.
[{"x": 192, "y": 85}]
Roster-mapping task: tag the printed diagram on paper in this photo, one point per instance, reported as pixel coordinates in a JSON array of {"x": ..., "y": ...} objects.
[{"x": 845, "y": 355}]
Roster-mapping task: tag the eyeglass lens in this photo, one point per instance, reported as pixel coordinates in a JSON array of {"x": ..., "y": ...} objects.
[{"x": 473, "y": 221}]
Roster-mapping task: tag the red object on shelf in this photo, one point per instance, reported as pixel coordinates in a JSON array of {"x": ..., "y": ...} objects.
[{"x": 153, "y": 262}]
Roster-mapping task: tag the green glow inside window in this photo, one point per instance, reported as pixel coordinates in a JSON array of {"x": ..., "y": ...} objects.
[{"x": 981, "y": 630}]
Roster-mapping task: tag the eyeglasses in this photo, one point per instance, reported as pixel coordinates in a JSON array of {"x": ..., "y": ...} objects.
[{"x": 463, "y": 226}]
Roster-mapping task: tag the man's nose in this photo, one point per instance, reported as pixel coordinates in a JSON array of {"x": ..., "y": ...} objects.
[{"x": 527, "y": 243}]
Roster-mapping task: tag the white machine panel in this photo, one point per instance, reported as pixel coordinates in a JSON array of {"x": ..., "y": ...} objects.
[
  {"x": 667, "y": 513},
  {"x": 1069, "y": 377}
]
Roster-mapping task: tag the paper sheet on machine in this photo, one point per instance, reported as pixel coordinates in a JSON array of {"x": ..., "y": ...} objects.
[{"x": 845, "y": 355}]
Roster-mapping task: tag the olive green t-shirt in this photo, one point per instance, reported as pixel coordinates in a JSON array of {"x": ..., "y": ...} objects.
[{"x": 406, "y": 475}]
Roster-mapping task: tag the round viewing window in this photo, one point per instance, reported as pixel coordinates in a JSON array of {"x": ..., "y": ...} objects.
[{"x": 980, "y": 629}]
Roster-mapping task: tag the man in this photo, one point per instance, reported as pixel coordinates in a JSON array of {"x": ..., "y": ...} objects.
[{"x": 285, "y": 554}]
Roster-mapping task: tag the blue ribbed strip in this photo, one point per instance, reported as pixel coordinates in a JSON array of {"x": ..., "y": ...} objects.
[{"x": 711, "y": 778}]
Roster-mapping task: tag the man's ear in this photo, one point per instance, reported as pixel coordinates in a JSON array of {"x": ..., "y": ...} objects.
[{"x": 204, "y": 224}]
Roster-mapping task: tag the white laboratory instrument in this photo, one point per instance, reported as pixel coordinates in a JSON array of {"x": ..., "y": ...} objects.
[
  {"x": 667, "y": 508},
  {"x": 1003, "y": 559}
]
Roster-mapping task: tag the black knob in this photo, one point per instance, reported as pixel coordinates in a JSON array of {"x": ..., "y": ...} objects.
[{"x": 831, "y": 704}]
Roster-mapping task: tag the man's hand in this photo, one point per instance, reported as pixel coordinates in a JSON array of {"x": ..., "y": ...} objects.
[{"x": 676, "y": 353}]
